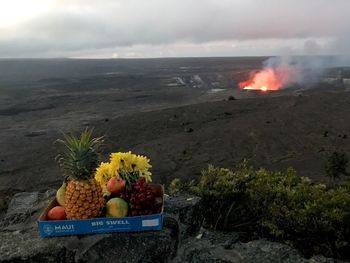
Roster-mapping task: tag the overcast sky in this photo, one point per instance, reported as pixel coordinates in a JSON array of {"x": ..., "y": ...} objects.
[{"x": 168, "y": 28}]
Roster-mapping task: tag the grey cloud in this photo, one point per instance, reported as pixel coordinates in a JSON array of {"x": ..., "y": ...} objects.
[{"x": 119, "y": 24}]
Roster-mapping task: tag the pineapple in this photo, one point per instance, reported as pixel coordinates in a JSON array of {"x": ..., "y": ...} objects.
[{"x": 78, "y": 161}]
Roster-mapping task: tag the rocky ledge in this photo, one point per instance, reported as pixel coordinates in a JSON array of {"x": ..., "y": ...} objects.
[{"x": 181, "y": 240}]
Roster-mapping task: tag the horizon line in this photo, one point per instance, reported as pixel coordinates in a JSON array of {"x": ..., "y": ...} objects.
[{"x": 145, "y": 58}]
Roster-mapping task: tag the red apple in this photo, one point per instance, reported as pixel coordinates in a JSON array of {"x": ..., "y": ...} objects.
[
  {"x": 115, "y": 185},
  {"x": 57, "y": 213}
]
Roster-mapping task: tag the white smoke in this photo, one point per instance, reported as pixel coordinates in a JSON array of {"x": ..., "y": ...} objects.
[{"x": 304, "y": 70}]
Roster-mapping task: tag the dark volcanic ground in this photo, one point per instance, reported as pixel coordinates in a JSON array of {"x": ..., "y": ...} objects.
[
  {"x": 39, "y": 98},
  {"x": 271, "y": 132},
  {"x": 173, "y": 110}
]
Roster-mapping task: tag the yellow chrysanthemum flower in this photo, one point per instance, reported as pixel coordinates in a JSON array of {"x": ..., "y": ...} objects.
[
  {"x": 102, "y": 176},
  {"x": 121, "y": 163},
  {"x": 114, "y": 167},
  {"x": 102, "y": 173},
  {"x": 142, "y": 165},
  {"x": 123, "y": 160},
  {"x": 148, "y": 177}
]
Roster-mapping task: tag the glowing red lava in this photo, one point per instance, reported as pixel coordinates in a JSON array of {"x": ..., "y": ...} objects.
[{"x": 265, "y": 80}]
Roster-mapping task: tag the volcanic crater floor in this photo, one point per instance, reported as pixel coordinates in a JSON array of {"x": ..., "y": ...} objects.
[{"x": 276, "y": 133}]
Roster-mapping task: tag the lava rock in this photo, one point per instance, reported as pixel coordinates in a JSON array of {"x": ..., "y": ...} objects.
[
  {"x": 20, "y": 240},
  {"x": 181, "y": 240},
  {"x": 187, "y": 210},
  {"x": 212, "y": 247},
  {"x": 209, "y": 246},
  {"x": 132, "y": 247},
  {"x": 23, "y": 202},
  {"x": 20, "y": 208},
  {"x": 27, "y": 246},
  {"x": 24, "y": 206},
  {"x": 35, "y": 133},
  {"x": 188, "y": 130},
  {"x": 266, "y": 251}
]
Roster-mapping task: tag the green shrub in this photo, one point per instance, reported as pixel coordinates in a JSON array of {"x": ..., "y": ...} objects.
[
  {"x": 337, "y": 164},
  {"x": 276, "y": 205}
]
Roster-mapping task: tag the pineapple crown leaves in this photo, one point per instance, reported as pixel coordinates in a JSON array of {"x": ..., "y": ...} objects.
[{"x": 79, "y": 156}]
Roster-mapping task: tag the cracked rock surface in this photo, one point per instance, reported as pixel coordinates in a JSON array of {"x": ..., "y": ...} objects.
[{"x": 181, "y": 240}]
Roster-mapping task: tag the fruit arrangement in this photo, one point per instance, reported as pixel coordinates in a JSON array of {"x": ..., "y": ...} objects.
[
  {"x": 118, "y": 188},
  {"x": 142, "y": 199}
]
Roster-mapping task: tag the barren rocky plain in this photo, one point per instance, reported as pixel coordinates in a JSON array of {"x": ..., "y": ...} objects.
[{"x": 175, "y": 111}]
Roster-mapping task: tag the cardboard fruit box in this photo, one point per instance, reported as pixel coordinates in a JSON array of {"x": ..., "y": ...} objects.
[{"x": 101, "y": 224}]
